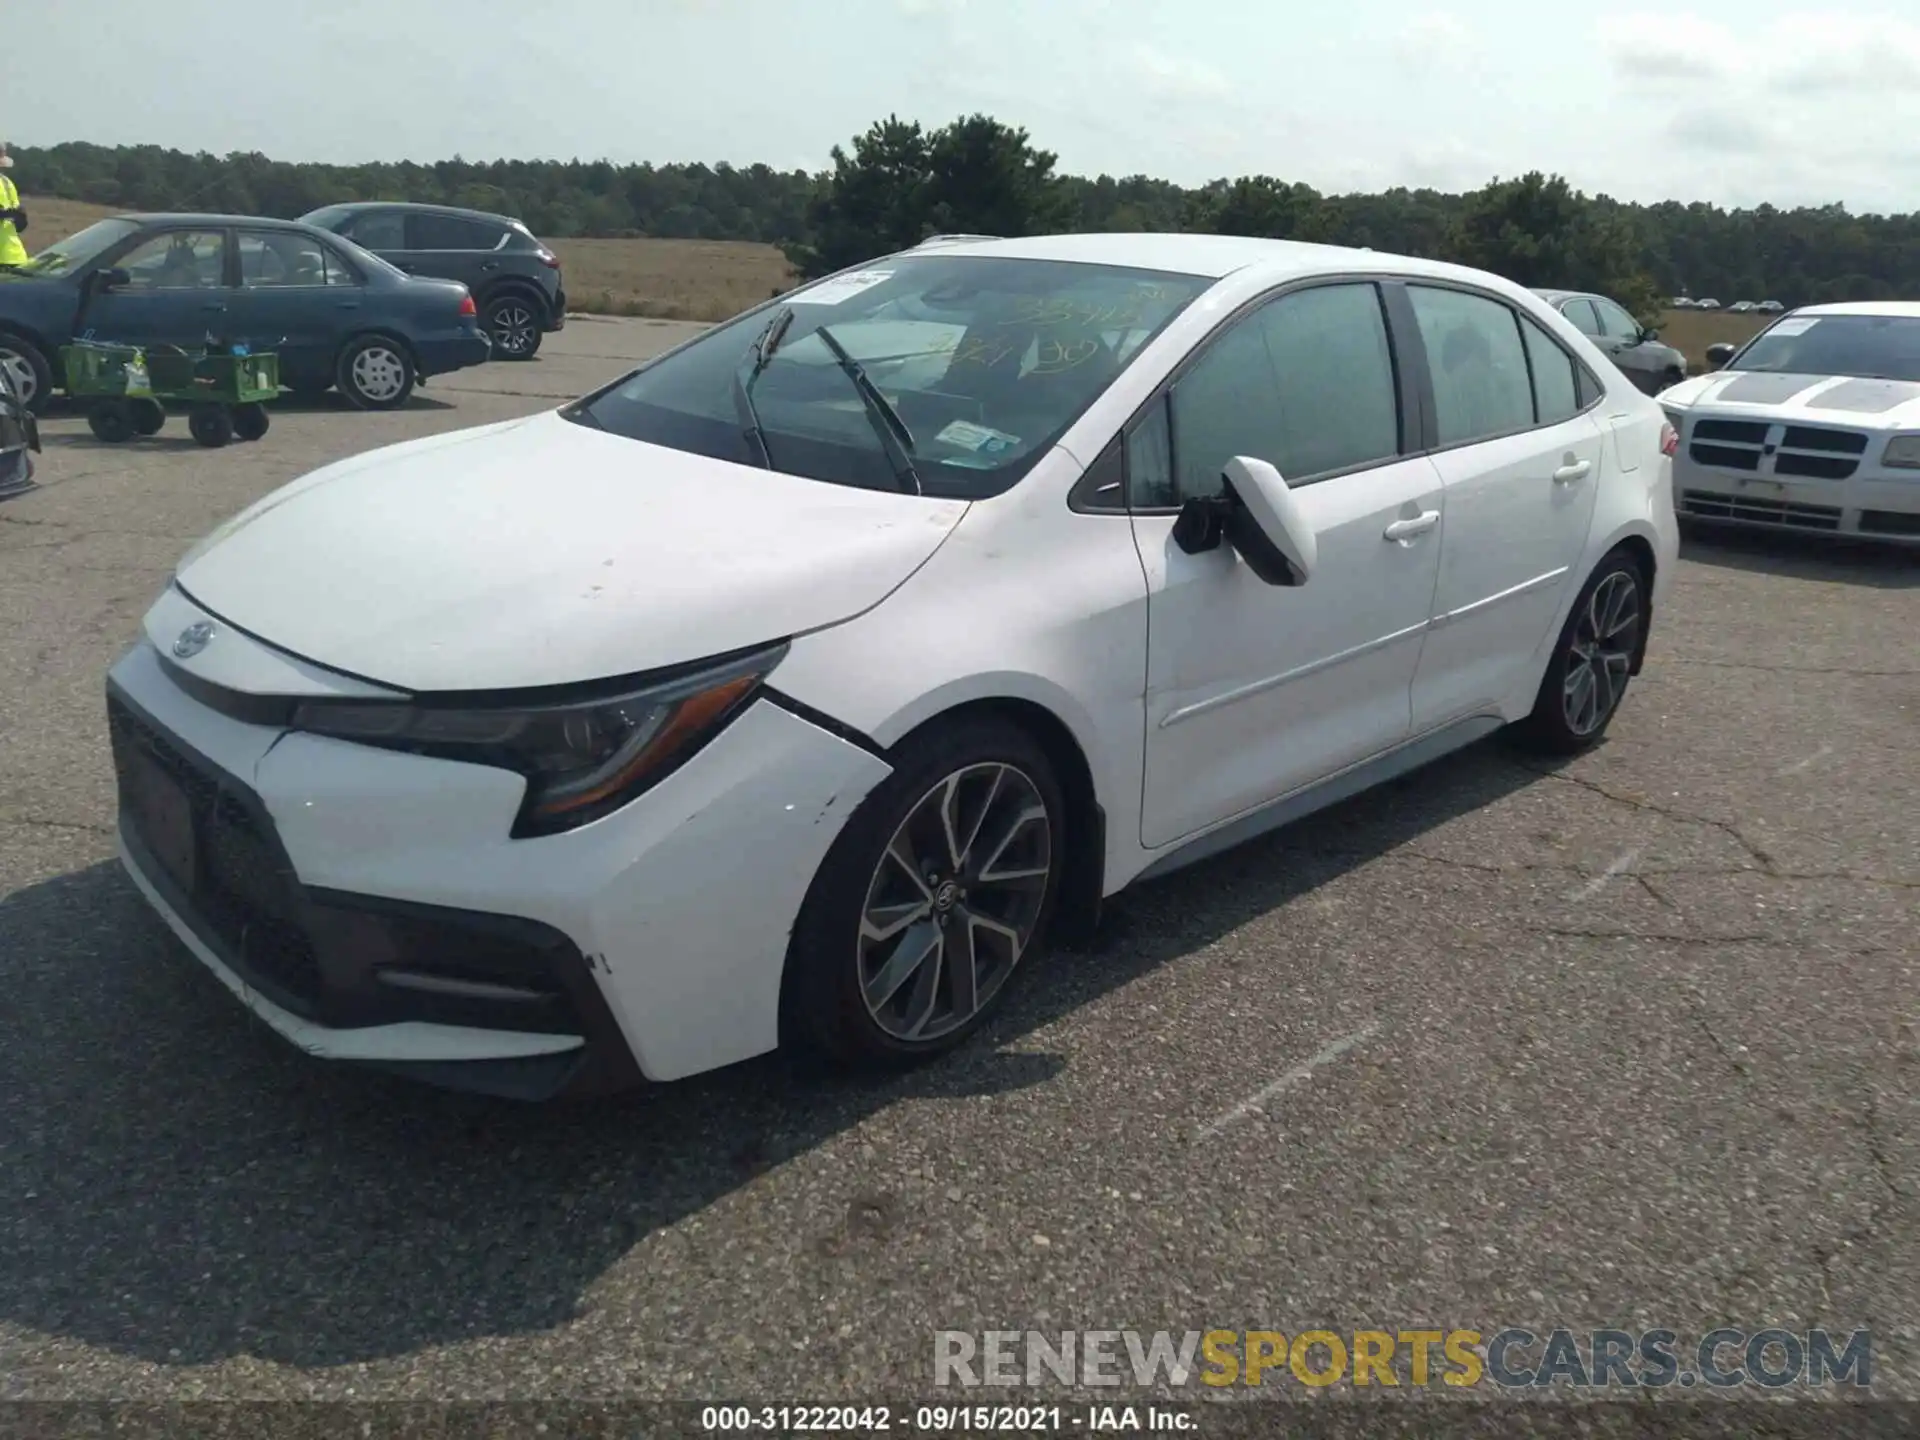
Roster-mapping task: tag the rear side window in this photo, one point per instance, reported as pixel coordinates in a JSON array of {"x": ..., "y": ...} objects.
[
  {"x": 1556, "y": 391},
  {"x": 378, "y": 230},
  {"x": 1305, "y": 383},
  {"x": 451, "y": 232},
  {"x": 1479, "y": 366},
  {"x": 1615, "y": 322}
]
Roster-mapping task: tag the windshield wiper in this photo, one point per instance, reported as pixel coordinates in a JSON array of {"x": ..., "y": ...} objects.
[
  {"x": 891, "y": 430},
  {"x": 761, "y": 353}
]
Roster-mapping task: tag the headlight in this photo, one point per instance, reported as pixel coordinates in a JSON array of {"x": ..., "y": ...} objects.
[
  {"x": 1903, "y": 452},
  {"x": 584, "y": 755}
]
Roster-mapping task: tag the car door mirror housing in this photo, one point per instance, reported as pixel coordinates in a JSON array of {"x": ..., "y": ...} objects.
[
  {"x": 1259, "y": 516},
  {"x": 1647, "y": 337},
  {"x": 1718, "y": 355}
]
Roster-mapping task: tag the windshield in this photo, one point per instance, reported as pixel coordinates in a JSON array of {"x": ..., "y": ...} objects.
[
  {"x": 986, "y": 360},
  {"x": 1884, "y": 347},
  {"x": 79, "y": 248}
]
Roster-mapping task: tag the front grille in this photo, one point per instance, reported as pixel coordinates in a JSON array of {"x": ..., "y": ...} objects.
[
  {"x": 1890, "y": 522},
  {"x": 1710, "y": 506},
  {"x": 1808, "y": 452},
  {"x": 242, "y": 888}
]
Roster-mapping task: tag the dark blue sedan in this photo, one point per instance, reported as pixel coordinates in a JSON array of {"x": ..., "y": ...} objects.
[{"x": 337, "y": 315}]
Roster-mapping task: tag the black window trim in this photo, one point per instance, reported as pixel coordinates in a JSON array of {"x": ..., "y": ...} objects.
[
  {"x": 1417, "y": 345},
  {"x": 1406, "y": 348},
  {"x": 1412, "y": 418}
]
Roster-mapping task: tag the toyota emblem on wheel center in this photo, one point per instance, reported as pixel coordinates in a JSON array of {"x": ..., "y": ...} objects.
[{"x": 192, "y": 640}]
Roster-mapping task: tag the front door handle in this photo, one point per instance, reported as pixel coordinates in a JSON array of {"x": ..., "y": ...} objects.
[
  {"x": 1571, "y": 471},
  {"x": 1403, "y": 530}
]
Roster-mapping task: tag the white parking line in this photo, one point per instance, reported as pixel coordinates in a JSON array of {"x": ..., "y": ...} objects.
[
  {"x": 1599, "y": 882},
  {"x": 1813, "y": 759},
  {"x": 1253, "y": 1103}
]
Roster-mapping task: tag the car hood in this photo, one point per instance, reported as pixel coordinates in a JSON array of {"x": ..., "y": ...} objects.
[
  {"x": 1861, "y": 404},
  {"x": 542, "y": 552}
]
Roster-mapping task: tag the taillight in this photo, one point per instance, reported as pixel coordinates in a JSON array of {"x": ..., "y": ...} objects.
[
  {"x": 1669, "y": 440},
  {"x": 549, "y": 259},
  {"x": 467, "y": 307}
]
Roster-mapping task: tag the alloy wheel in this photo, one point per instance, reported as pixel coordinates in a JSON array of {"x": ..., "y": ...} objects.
[
  {"x": 1601, "y": 653},
  {"x": 379, "y": 373},
  {"x": 513, "y": 328},
  {"x": 26, "y": 384},
  {"x": 954, "y": 901}
]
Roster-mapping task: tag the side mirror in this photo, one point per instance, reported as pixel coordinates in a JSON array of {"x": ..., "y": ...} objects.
[
  {"x": 1647, "y": 337},
  {"x": 1259, "y": 516},
  {"x": 1718, "y": 355}
]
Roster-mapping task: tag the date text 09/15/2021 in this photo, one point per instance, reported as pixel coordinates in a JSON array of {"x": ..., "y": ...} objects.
[{"x": 943, "y": 1419}]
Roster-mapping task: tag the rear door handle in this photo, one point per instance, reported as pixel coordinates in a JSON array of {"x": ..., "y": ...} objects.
[
  {"x": 1572, "y": 471},
  {"x": 1418, "y": 525}
]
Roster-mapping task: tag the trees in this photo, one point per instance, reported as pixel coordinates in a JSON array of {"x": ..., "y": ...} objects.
[
  {"x": 902, "y": 184},
  {"x": 898, "y": 182}
]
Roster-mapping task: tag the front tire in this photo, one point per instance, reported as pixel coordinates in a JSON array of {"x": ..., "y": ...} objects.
[
  {"x": 111, "y": 421},
  {"x": 1592, "y": 661},
  {"x": 375, "y": 373},
  {"x": 930, "y": 901},
  {"x": 28, "y": 369},
  {"x": 211, "y": 425},
  {"x": 513, "y": 322}
]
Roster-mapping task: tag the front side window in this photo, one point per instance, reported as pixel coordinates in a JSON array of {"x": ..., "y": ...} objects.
[
  {"x": 80, "y": 248},
  {"x": 1305, "y": 383},
  {"x": 986, "y": 360},
  {"x": 177, "y": 260},
  {"x": 379, "y": 230},
  {"x": 1615, "y": 323},
  {"x": 1875, "y": 347},
  {"x": 1479, "y": 366},
  {"x": 278, "y": 258}
]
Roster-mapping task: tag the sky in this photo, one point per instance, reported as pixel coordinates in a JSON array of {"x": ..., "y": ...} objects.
[{"x": 1766, "y": 100}]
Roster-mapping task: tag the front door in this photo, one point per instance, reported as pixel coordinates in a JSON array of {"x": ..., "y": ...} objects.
[
  {"x": 1253, "y": 690},
  {"x": 177, "y": 292},
  {"x": 1521, "y": 456},
  {"x": 454, "y": 247}
]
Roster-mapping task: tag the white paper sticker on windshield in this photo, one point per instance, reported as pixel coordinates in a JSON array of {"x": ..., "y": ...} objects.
[
  {"x": 1797, "y": 325},
  {"x": 841, "y": 288},
  {"x": 980, "y": 439}
]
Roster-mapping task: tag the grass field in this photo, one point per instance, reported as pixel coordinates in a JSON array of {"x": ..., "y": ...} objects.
[{"x": 714, "y": 279}]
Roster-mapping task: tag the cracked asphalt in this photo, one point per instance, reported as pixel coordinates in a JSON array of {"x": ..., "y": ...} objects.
[{"x": 1631, "y": 1041}]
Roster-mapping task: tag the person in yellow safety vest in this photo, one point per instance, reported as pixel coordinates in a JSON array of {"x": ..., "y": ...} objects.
[{"x": 13, "y": 219}]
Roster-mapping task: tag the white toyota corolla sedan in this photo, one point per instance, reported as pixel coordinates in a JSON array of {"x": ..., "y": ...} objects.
[
  {"x": 792, "y": 686},
  {"x": 1812, "y": 425}
]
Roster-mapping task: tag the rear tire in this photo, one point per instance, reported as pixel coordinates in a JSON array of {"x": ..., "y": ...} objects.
[
  {"x": 211, "y": 425},
  {"x": 514, "y": 325},
  {"x": 874, "y": 975},
  {"x": 32, "y": 376},
  {"x": 1592, "y": 661},
  {"x": 375, "y": 372},
  {"x": 250, "y": 421}
]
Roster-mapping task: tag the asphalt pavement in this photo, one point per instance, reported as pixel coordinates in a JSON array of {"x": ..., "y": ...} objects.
[{"x": 1631, "y": 1041}]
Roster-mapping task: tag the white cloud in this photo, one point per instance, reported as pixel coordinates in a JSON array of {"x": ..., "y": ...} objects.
[
  {"x": 1433, "y": 36},
  {"x": 1176, "y": 77}
]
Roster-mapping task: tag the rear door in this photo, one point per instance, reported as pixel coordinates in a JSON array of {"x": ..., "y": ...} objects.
[
  {"x": 455, "y": 247},
  {"x": 297, "y": 295},
  {"x": 178, "y": 290},
  {"x": 1521, "y": 453}
]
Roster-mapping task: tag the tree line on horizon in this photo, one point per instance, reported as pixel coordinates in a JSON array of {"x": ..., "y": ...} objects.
[{"x": 900, "y": 181}]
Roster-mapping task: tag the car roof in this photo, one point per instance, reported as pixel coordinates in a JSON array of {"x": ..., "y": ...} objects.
[
  {"x": 1208, "y": 256},
  {"x": 197, "y": 218},
  {"x": 1556, "y": 296},
  {"x": 1894, "y": 309},
  {"x": 418, "y": 207}
]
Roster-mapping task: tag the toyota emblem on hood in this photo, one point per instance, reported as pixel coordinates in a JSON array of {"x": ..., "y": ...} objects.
[{"x": 192, "y": 640}]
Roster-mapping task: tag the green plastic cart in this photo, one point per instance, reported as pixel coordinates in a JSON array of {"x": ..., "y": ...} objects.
[{"x": 127, "y": 388}]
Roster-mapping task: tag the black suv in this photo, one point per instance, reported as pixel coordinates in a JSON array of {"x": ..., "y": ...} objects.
[{"x": 515, "y": 280}]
